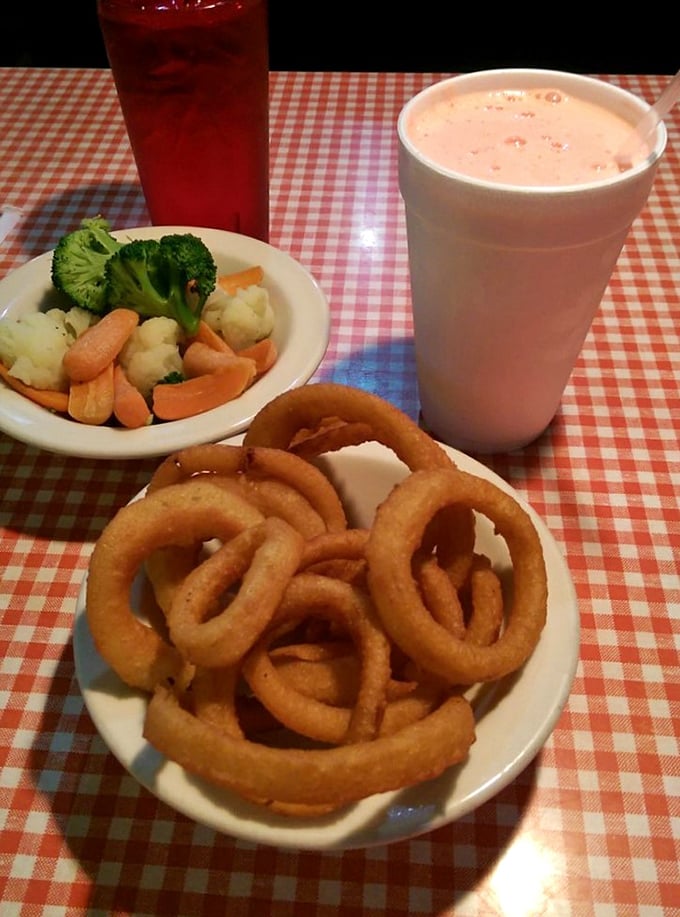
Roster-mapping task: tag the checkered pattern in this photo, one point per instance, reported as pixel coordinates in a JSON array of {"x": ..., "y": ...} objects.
[{"x": 592, "y": 826}]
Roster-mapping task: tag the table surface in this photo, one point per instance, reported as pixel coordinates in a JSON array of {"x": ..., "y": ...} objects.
[{"x": 592, "y": 825}]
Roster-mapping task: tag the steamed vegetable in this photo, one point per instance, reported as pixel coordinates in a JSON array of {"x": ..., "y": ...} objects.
[
  {"x": 171, "y": 278},
  {"x": 153, "y": 350},
  {"x": 33, "y": 346},
  {"x": 136, "y": 326},
  {"x": 79, "y": 261},
  {"x": 241, "y": 318}
]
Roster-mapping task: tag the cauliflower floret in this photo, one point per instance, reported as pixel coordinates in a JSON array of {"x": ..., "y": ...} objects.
[
  {"x": 32, "y": 346},
  {"x": 78, "y": 320},
  {"x": 242, "y": 319},
  {"x": 152, "y": 352}
]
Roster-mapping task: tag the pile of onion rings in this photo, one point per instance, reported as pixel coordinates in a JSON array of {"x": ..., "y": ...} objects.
[{"x": 289, "y": 656}]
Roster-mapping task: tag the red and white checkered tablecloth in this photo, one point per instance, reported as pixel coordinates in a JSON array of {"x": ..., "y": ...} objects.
[{"x": 592, "y": 826}]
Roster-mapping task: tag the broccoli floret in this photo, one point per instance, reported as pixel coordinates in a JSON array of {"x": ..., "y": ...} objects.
[
  {"x": 170, "y": 277},
  {"x": 173, "y": 378},
  {"x": 79, "y": 261}
]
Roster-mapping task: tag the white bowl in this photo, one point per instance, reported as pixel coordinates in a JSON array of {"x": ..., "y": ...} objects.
[
  {"x": 301, "y": 333},
  {"x": 514, "y": 717}
]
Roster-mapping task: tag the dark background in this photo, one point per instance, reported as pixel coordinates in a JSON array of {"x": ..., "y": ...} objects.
[{"x": 430, "y": 36}]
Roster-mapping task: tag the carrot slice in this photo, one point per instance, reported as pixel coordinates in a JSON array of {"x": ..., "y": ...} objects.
[
  {"x": 99, "y": 345},
  {"x": 239, "y": 280},
  {"x": 264, "y": 353},
  {"x": 206, "y": 335},
  {"x": 91, "y": 402},
  {"x": 186, "y": 399},
  {"x": 46, "y": 398},
  {"x": 129, "y": 405},
  {"x": 200, "y": 359}
]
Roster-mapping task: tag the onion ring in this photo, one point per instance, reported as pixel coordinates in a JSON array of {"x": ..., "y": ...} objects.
[
  {"x": 331, "y": 777},
  {"x": 213, "y": 698},
  {"x": 276, "y": 498},
  {"x": 329, "y": 670},
  {"x": 486, "y": 600},
  {"x": 331, "y": 434},
  {"x": 180, "y": 514},
  {"x": 417, "y": 704},
  {"x": 214, "y": 703},
  {"x": 440, "y": 595},
  {"x": 167, "y": 567},
  {"x": 333, "y": 680},
  {"x": 396, "y": 535},
  {"x": 262, "y": 560},
  {"x": 307, "y": 407},
  {"x": 280, "y": 421},
  {"x": 337, "y": 554},
  {"x": 306, "y": 594},
  {"x": 225, "y": 459}
]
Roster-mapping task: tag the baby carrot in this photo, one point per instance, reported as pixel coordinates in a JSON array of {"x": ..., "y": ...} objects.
[
  {"x": 91, "y": 402},
  {"x": 264, "y": 353},
  {"x": 200, "y": 359},
  {"x": 99, "y": 345},
  {"x": 129, "y": 405},
  {"x": 202, "y": 393},
  {"x": 239, "y": 280},
  {"x": 206, "y": 335},
  {"x": 46, "y": 398}
]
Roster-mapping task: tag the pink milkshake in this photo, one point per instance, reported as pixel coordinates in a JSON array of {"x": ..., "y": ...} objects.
[
  {"x": 521, "y": 136},
  {"x": 516, "y": 212}
]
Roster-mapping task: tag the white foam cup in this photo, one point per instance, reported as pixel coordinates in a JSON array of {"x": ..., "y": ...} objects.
[{"x": 506, "y": 279}]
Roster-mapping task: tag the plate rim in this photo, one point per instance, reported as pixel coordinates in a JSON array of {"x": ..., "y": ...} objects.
[
  {"x": 349, "y": 830},
  {"x": 35, "y": 426}
]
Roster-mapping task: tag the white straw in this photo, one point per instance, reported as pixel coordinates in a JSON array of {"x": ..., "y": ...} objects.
[{"x": 647, "y": 124}]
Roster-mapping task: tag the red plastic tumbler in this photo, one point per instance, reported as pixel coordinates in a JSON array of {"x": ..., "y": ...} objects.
[{"x": 192, "y": 78}]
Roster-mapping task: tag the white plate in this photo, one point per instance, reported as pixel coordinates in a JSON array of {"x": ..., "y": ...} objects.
[
  {"x": 514, "y": 719},
  {"x": 301, "y": 333}
]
